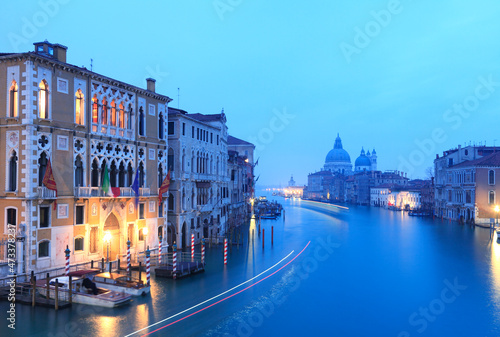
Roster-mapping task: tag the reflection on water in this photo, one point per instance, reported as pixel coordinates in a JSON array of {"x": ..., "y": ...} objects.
[{"x": 495, "y": 274}]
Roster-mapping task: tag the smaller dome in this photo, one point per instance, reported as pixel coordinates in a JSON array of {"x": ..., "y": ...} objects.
[{"x": 362, "y": 160}]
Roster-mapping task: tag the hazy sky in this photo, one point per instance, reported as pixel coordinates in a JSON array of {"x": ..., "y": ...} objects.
[{"x": 408, "y": 78}]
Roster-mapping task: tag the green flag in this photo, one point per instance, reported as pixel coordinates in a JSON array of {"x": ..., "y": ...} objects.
[{"x": 105, "y": 181}]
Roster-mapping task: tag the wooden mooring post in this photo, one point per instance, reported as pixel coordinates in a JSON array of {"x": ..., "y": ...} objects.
[
  {"x": 263, "y": 231},
  {"x": 70, "y": 289},
  {"x": 102, "y": 265},
  {"x": 56, "y": 295},
  {"x": 48, "y": 286},
  {"x": 33, "y": 288},
  {"x": 140, "y": 271},
  {"x": 272, "y": 235}
]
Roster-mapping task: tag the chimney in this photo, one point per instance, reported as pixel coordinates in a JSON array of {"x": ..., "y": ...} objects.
[
  {"x": 151, "y": 84},
  {"x": 60, "y": 52}
]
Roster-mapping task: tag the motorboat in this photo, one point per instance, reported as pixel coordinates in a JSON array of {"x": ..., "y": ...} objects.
[
  {"x": 121, "y": 283},
  {"x": 84, "y": 291}
]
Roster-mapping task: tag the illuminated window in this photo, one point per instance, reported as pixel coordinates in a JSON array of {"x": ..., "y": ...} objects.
[
  {"x": 79, "y": 107},
  {"x": 95, "y": 118},
  {"x": 121, "y": 120},
  {"x": 104, "y": 112},
  {"x": 130, "y": 117},
  {"x": 13, "y": 100},
  {"x": 43, "y": 100},
  {"x": 113, "y": 113}
]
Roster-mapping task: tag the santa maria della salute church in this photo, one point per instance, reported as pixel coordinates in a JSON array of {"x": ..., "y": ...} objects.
[{"x": 339, "y": 161}]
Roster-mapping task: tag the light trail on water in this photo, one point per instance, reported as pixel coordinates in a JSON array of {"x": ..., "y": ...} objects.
[{"x": 221, "y": 294}]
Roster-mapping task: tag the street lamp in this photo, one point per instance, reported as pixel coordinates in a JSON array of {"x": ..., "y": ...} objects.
[
  {"x": 107, "y": 240},
  {"x": 144, "y": 234}
]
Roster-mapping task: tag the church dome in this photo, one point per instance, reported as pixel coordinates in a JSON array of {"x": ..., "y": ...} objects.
[
  {"x": 338, "y": 154},
  {"x": 362, "y": 160}
]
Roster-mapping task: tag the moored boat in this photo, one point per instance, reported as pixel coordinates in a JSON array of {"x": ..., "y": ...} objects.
[
  {"x": 84, "y": 291},
  {"x": 121, "y": 283}
]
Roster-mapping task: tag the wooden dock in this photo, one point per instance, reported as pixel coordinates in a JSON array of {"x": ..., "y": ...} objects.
[
  {"x": 24, "y": 296},
  {"x": 184, "y": 269}
]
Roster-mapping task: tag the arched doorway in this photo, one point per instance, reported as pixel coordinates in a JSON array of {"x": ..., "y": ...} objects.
[
  {"x": 205, "y": 228},
  {"x": 112, "y": 225},
  {"x": 171, "y": 235},
  {"x": 184, "y": 235}
]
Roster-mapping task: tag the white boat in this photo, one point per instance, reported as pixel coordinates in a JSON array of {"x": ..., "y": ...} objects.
[
  {"x": 84, "y": 295},
  {"x": 121, "y": 283}
]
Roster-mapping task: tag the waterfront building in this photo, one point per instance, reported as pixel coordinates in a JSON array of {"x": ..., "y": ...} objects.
[
  {"x": 245, "y": 150},
  {"x": 465, "y": 185},
  {"x": 239, "y": 189},
  {"x": 100, "y": 135},
  {"x": 199, "y": 195},
  {"x": 317, "y": 185},
  {"x": 358, "y": 187},
  {"x": 401, "y": 197}
]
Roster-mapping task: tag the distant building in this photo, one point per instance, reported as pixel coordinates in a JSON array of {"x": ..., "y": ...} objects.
[
  {"x": 358, "y": 187},
  {"x": 338, "y": 160},
  {"x": 317, "y": 185},
  {"x": 291, "y": 183},
  {"x": 366, "y": 162}
]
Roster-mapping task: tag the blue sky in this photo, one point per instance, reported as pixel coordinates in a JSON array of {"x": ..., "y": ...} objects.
[{"x": 290, "y": 75}]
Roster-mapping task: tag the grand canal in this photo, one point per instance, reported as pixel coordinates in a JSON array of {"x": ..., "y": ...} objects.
[{"x": 331, "y": 271}]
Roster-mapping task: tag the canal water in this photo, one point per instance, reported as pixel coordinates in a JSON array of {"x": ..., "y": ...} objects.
[{"x": 330, "y": 272}]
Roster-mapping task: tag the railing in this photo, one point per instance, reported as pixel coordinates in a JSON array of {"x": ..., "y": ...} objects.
[
  {"x": 144, "y": 191},
  {"x": 45, "y": 193},
  {"x": 88, "y": 192},
  {"x": 60, "y": 271}
]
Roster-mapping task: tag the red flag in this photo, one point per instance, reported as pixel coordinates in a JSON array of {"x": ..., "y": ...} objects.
[
  {"x": 115, "y": 191},
  {"x": 164, "y": 186},
  {"x": 49, "y": 181}
]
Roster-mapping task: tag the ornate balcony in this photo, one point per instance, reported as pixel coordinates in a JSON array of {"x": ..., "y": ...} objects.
[
  {"x": 96, "y": 192},
  {"x": 45, "y": 193}
]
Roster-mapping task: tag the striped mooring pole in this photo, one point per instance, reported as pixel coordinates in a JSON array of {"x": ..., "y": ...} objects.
[
  {"x": 225, "y": 251},
  {"x": 192, "y": 247},
  {"x": 159, "y": 250},
  {"x": 148, "y": 269},
  {"x": 128, "y": 256},
  {"x": 174, "y": 270},
  {"x": 203, "y": 251},
  {"x": 67, "y": 251}
]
